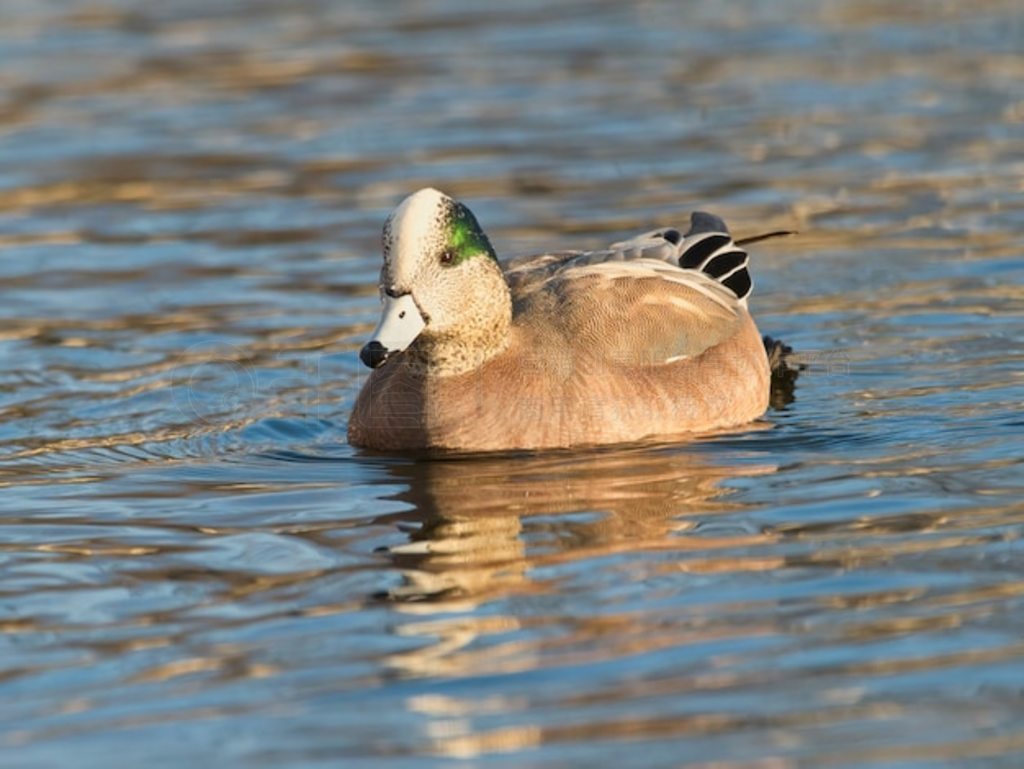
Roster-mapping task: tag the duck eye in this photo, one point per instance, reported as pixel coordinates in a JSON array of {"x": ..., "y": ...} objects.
[{"x": 447, "y": 256}]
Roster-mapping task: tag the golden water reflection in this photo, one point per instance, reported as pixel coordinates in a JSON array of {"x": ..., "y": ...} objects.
[
  {"x": 495, "y": 528},
  {"x": 485, "y": 533}
]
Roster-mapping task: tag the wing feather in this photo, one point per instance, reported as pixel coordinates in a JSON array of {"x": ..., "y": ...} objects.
[
  {"x": 642, "y": 312},
  {"x": 655, "y": 299}
]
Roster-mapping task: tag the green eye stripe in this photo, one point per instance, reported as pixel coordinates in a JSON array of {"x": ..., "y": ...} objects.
[{"x": 465, "y": 238}]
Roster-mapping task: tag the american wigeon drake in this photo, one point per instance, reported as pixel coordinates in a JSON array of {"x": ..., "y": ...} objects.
[{"x": 649, "y": 339}]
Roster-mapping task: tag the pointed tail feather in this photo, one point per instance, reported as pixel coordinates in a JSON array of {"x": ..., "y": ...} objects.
[{"x": 765, "y": 236}]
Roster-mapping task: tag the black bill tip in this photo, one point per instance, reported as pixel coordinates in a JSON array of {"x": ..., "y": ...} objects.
[{"x": 374, "y": 354}]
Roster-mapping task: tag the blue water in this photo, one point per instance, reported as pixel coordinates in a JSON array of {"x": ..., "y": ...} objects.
[{"x": 198, "y": 570}]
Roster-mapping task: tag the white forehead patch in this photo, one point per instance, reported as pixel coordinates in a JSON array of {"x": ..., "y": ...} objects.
[{"x": 413, "y": 229}]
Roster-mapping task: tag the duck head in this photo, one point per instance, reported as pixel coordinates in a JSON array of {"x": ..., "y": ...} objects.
[{"x": 440, "y": 281}]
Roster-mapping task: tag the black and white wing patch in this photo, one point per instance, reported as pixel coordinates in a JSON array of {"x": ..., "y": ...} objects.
[{"x": 708, "y": 247}]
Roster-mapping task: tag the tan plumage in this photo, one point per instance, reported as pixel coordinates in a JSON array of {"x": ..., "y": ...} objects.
[{"x": 559, "y": 351}]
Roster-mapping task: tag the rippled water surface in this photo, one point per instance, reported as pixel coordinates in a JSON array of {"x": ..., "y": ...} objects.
[{"x": 197, "y": 570}]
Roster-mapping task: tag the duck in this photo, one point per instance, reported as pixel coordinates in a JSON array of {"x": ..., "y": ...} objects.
[{"x": 649, "y": 339}]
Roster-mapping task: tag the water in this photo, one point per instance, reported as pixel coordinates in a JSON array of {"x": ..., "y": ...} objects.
[{"x": 196, "y": 568}]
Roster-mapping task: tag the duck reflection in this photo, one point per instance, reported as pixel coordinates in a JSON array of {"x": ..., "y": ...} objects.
[{"x": 486, "y": 529}]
